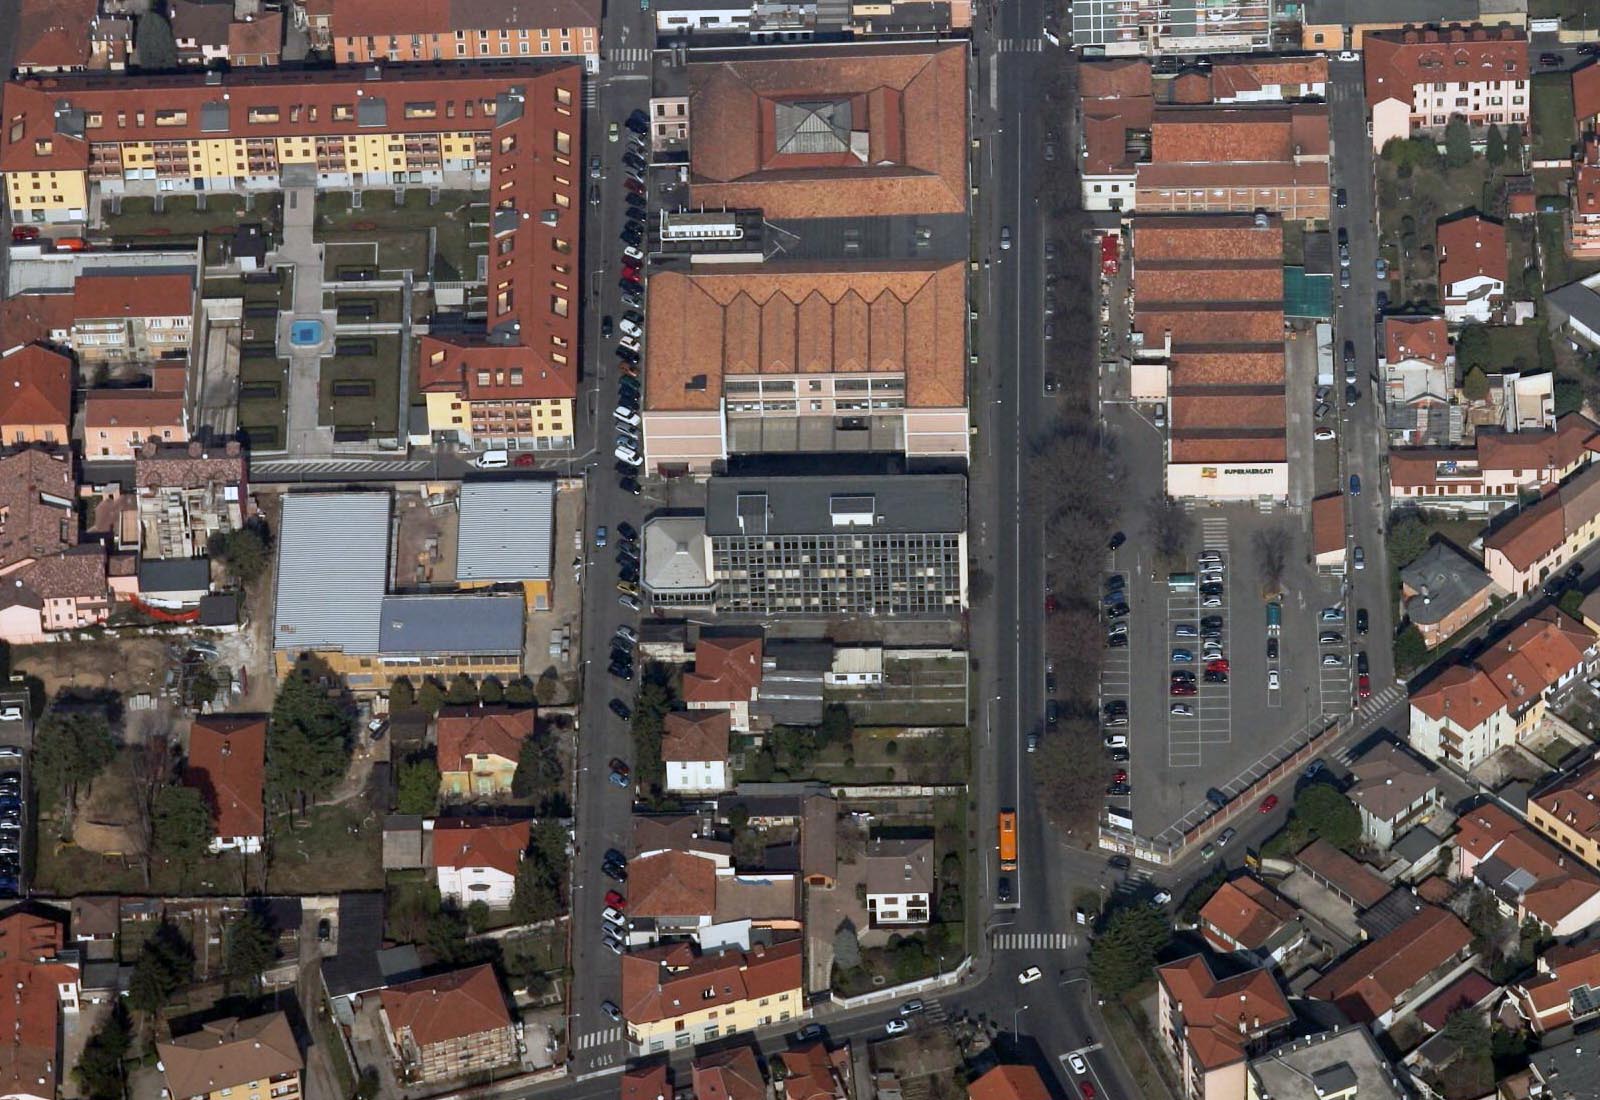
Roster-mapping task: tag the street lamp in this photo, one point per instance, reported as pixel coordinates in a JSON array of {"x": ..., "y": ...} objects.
[{"x": 1019, "y": 1010}]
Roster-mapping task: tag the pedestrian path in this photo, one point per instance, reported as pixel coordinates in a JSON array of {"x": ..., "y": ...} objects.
[
  {"x": 1035, "y": 941},
  {"x": 599, "y": 1038},
  {"x": 290, "y": 470},
  {"x": 1021, "y": 45}
]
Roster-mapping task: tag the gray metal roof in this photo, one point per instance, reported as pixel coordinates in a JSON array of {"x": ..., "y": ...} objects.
[
  {"x": 507, "y": 531},
  {"x": 174, "y": 574},
  {"x": 333, "y": 560},
  {"x": 1389, "y": 12},
  {"x": 1448, "y": 577},
  {"x": 1579, "y": 302},
  {"x": 675, "y": 554},
  {"x": 899, "y": 504},
  {"x": 1571, "y": 1068},
  {"x": 461, "y": 623}
]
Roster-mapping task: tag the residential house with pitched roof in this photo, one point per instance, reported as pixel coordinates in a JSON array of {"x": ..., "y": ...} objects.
[
  {"x": 1542, "y": 538},
  {"x": 1472, "y": 268},
  {"x": 42, "y": 986},
  {"x": 35, "y": 397},
  {"x": 51, "y": 583},
  {"x": 132, "y": 317},
  {"x": 726, "y": 676},
  {"x": 58, "y": 36},
  {"x": 1472, "y": 710},
  {"x": 1386, "y": 977},
  {"x": 1564, "y": 991},
  {"x": 1419, "y": 77},
  {"x": 694, "y": 748},
  {"x": 1211, "y": 1027},
  {"x": 730, "y": 1074},
  {"x": 1009, "y": 1082},
  {"x": 1247, "y": 916},
  {"x": 899, "y": 880},
  {"x": 674, "y": 998},
  {"x": 1568, "y": 812},
  {"x": 646, "y": 1081},
  {"x": 813, "y": 1071},
  {"x": 1492, "y": 473},
  {"x": 227, "y": 764},
  {"x": 447, "y": 1026},
  {"x": 258, "y": 1057},
  {"x": 1238, "y": 159},
  {"x": 1392, "y": 791},
  {"x": 479, "y": 748},
  {"x": 1444, "y": 591},
  {"x": 477, "y": 860},
  {"x": 1115, "y": 106},
  {"x": 1530, "y": 876},
  {"x": 1417, "y": 361},
  {"x": 118, "y": 423},
  {"x": 359, "y": 32}
]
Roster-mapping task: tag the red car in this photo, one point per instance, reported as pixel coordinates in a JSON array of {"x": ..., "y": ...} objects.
[
  {"x": 616, "y": 900},
  {"x": 1269, "y": 803},
  {"x": 1088, "y": 1090},
  {"x": 25, "y": 233},
  {"x": 1184, "y": 689},
  {"x": 1364, "y": 685},
  {"x": 1220, "y": 665},
  {"x": 1050, "y": 605},
  {"x": 1120, "y": 776},
  {"x": 527, "y": 458}
]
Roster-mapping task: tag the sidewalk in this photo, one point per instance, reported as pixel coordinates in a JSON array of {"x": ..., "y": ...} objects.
[{"x": 304, "y": 436}]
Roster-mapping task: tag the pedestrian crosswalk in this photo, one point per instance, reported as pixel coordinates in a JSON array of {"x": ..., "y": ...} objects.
[
  {"x": 1214, "y": 532},
  {"x": 599, "y": 1038},
  {"x": 1035, "y": 941},
  {"x": 296, "y": 469},
  {"x": 626, "y": 54},
  {"x": 1021, "y": 45},
  {"x": 591, "y": 95}
]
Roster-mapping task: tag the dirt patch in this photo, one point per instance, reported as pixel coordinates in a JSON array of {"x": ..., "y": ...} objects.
[
  {"x": 425, "y": 544},
  {"x": 130, "y": 665},
  {"x": 566, "y": 602}
]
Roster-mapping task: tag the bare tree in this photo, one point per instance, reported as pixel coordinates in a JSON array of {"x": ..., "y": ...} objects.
[
  {"x": 1171, "y": 526},
  {"x": 1271, "y": 548},
  {"x": 1070, "y": 771},
  {"x": 151, "y": 768}
]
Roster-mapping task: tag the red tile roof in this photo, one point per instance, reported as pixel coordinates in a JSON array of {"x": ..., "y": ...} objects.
[
  {"x": 728, "y": 1075},
  {"x": 1270, "y": 133},
  {"x": 1398, "y": 60},
  {"x": 1294, "y": 74},
  {"x": 532, "y": 250},
  {"x": 1465, "y": 992},
  {"x": 255, "y": 38},
  {"x": 470, "y": 843},
  {"x": 672, "y": 884},
  {"x": 1247, "y": 912},
  {"x": 361, "y": 18},
  {"x": 95, "y": 297},
  {"x": 1327, "y": 524},
  {"x": 30, "y": 318},
  {"x": 663, "y": 983},
  {"x": 813, "y": 1072},
  {"x": 35, "y": 388},
  {"x": 1123, "y": 78},
  {"x": 1517, "y": 666},
  {"x": 646, "y": 1082},
  {"x": 908, "y": 103},
  {"x": 1416, "y": 338},
  {"x": 726, "y": 670},
  {"x": 1219, "y": 1015},
  {"x": 53, "y": 34},
  {"x": 1563, "y": 970},
  {"x": 481, "y": 731},
  {"x": 1009, "y": 1082},
  {"x": 1536, "y": 531},
  {"x": 1355, "y": 880},
  {"x": 30, "y": 1011},
  {"x": 1561, "y": 884},
  {"x": 227, "y": 762},
  {"x": 1586, "y": 93},
  {"x": 1469, "y": 247},
  {"x": 37, "y": 491},
  {"x": 134, "y": 408},
  {"x": 695, "y": 735},
  {"x": 449, "y": 1006},
  {"x": 1367, "y": 984},
  {"x": 1575, "y": 801}
]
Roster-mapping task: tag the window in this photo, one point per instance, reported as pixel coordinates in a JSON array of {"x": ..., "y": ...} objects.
[
  {"x": 422, "y": 110},
  {"x": 172, "y": 118},
  {"x": 264, "y": 114},
  {"x": 343, "y": 112}
]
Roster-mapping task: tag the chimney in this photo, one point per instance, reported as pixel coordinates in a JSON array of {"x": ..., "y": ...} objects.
[
  {"x": 194, "y": 448},
  {"x": 232, "y": 449}
]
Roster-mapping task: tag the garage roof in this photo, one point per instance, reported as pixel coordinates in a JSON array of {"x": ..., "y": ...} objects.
[{"x": 507, "y": 531}]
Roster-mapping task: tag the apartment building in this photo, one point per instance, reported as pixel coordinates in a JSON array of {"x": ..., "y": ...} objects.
[
  {"x": 1496, "y": 469},
  {"x": 1568, "y": 812},
  {"x": 42, "y": 990},
  {"x": 1393, "y": 790},
  {"x": 1472, "y": 710},
  {"x": 1237, "y": 159},
  {"x": 1247, "y": 916},
  {"x": 507, "y": 383},
  {"x": 796, "y": 357},
  {"x": 674, "y": 998},
  {"x": 1345, "y": 24},
  {"x": 1211, "y": 1027},
  {"x": 1472, "y": 268},
  {"x": 1418, "y": 361},
  {"x": 1116, "y": 105},
  {"x": 1530, "y": 876},
  {"x": 357, "y": 32},
  {"x": 1345, "y": 1062},
  {"x": 118, "y": 423},
  {"x": 1564, "y": 991},
  {"x": 1542, "y": 538},
  {"x": 899, "y": 878},
  {"x": 227, "y": 764},
  {"x": 234, "y": 1059},
  {"x": 1208, "y": 305},
  {"x": 448, "y": 1026},
  {"x": 132, "y": 317},
  {"x": 1418, "y": 78},
  {"x": 1120, "y": 28},
  {"x": 35, "y": 397}
]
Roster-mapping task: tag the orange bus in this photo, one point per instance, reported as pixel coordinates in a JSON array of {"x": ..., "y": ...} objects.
[{"x": 1008, "y": 840}]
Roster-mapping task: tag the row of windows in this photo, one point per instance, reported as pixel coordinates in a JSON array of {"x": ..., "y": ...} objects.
[{"x": 461, "y": 51}]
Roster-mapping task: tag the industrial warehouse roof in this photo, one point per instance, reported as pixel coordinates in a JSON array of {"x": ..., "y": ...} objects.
[
  {"x": 506, "y": 531},
  {"x": 895, "y": 504},
  {"x": 451, "y": 623},
  {"x": 333, "y": 558}
]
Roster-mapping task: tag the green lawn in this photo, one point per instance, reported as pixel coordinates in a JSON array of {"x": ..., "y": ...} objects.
[
  {"x": 332, "y": 849},
  {"x": 401, "y": 232},
  {"x": 373, "y": 411},
  {"x": 397, "y": 250},
  {"x": 1424, "y": 197},
  {"x": 181, "y": 217},
  {"x": 1554, "y": 130},
  {"x": 1560, "y": 269}
]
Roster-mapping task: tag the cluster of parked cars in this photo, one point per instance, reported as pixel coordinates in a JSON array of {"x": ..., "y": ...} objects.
[
  {"x": 614, "y": 930},
  {"x": 1114, "y": 712},
  {"x": 627, "y": 585},
  {"x": 629, "y": 450},
  {"x": 1211, "y": 656}
]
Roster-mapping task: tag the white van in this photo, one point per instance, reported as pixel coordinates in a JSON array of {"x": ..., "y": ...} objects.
[
  {"x": 629, "y": 455},
  {"x": 626, "y": 415},
  {"x": 493, "y": 460}
]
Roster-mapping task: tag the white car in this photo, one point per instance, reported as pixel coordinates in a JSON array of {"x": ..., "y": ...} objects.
[
  {"x": 1333, "y": 660},
  {"x": 629, "y": 342},
  {"x": 1272, "y": 680},
  {"x": 613, "y": 916},
  {"x": 1162, "y": 897},
  {"x": 897, "y": 1027},
  {"x": 1349, "y": 55},
  {"x": 1227, "y": 835},
  {"x": 1077, "y": 1064},
  {"x": 629, "y": 328},
  {"x": 1322, "y": 435},
  {"x": 11, "y": 714},
  {"x": 1183, "y": 710},
  {"x": 1032, "y": 974},
  {"x": 633, "y": 254},
  {"x": 626, "y": 416},
  {"x": 629, "y": 455},
  {"x": 1361, "y": 558}
]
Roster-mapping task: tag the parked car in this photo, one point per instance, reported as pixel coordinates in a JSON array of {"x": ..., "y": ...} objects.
[{"x": 1269, "y": 803}]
